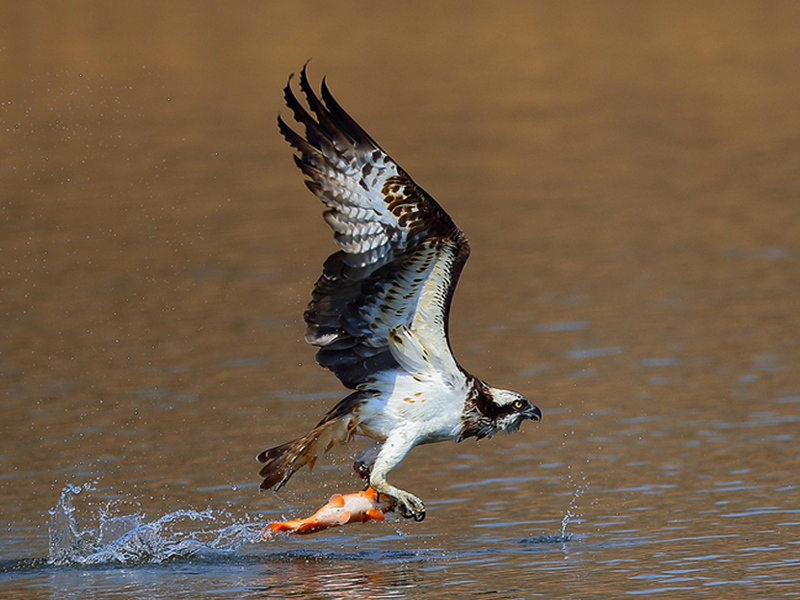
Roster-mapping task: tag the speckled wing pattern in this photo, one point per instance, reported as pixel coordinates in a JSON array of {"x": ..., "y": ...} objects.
[{"x": 383, "y": 299}]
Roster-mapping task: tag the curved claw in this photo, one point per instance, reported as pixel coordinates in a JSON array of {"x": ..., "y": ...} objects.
[
  {"x": 407, "y": 513},
  {"x": 409, "y": 506}
]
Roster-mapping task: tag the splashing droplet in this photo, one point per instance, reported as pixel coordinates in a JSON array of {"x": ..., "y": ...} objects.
[{"x": 129, "y": 539}]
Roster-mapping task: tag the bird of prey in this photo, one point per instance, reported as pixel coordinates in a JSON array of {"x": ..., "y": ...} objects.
[{"x": 379, "y": 311}]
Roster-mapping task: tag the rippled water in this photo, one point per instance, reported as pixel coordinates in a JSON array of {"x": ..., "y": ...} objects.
[{"x": 627, "y": 176}]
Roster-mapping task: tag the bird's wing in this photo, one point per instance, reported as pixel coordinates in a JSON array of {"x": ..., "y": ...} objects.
[{"x": 383, "y": 299}]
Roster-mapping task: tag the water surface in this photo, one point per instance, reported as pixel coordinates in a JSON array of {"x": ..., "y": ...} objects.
[{"x": 627, "y": 176}]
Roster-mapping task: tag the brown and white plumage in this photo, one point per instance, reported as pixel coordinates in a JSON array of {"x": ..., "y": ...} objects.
[{"x": 379, "y": 311}]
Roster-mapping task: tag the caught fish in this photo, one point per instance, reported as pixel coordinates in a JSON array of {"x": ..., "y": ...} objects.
[{"x": 359, "y": 507}]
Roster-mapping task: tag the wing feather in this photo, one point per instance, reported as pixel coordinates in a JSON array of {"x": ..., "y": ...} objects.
[{"x": 382, "y": 301}]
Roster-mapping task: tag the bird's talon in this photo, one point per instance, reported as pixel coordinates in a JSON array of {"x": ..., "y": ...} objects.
[{"x": 410, "y": 507}]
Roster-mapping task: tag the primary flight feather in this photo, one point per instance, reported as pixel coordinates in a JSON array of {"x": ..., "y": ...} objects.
[{"x": 379, "y": 311}]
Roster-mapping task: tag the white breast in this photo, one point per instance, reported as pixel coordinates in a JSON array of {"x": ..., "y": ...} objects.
[{"x": 426, "y": 409}]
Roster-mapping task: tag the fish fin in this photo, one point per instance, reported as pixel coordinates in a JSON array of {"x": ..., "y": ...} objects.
[
  {"x": 336, "y": 501},
  {"x": 343, "y": 518},
  {"x": 374, "y": 513},
  {"x": 310, "y": 527}
]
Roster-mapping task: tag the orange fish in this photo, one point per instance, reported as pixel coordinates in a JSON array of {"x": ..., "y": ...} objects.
[{"x": 359, "y": 507}]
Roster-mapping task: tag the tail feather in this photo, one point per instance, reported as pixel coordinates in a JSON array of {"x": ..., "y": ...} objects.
[{"x": 281, "y": 462}]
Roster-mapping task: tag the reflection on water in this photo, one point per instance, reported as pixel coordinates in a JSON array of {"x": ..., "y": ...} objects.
[{"x": 628, "y": 181}]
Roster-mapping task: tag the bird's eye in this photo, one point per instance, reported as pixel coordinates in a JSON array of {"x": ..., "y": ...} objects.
[{"x": 518, "y": 404}]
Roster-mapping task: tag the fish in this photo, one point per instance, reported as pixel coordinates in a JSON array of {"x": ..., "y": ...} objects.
[{"x": 358, "y": 507}]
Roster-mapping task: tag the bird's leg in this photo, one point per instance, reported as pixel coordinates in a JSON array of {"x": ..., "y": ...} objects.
[
  {"x": 365, "y": 460},
  {"x": 389, "y": 456}
]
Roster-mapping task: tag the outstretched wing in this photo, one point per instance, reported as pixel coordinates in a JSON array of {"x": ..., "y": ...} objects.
[{"x": 383, "y": 299}]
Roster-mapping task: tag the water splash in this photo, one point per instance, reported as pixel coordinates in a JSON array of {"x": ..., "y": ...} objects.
[
  {"x": 129, "y": 539},
  {"x": 564, "y": 535}
]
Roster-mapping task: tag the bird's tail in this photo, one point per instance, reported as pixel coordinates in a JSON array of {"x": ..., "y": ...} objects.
[{"x": 281, "y": 462}]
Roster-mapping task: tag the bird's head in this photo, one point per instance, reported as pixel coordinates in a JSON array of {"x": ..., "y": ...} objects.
[
  {"x": 489, "y": 410},
  {"x": 511, "y": 409}
]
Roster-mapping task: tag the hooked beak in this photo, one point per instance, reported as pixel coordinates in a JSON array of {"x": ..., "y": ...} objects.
[{"x": 533, "y": 413}]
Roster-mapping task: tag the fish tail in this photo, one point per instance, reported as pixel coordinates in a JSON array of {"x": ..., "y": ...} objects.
[
  {"x": 300, "y": 527},
  {"x": 279, "y": 527}
]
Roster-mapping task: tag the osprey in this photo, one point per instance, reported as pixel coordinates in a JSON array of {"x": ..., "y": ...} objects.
[{"x": 379, "y": 311}]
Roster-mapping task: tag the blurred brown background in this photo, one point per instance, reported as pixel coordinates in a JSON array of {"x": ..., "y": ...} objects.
[{"x": 627, "y": 174}]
